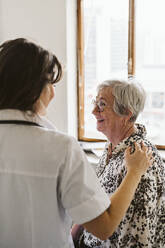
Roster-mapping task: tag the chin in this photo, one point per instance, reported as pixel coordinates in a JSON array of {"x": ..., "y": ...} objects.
[{"x": 100, "y": 129}]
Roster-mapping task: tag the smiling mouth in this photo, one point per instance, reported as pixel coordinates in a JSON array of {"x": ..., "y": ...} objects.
[{"x": 100, "y": 120}]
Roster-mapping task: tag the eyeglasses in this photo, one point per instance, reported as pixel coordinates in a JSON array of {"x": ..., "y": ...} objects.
[{"x": 100, "y": 104}]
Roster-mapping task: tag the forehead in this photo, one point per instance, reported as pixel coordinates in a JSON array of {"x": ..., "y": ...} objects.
[{"x": 106, "y": 94}]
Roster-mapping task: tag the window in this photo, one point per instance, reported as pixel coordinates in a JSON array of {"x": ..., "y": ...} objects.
[{"x": 118, "y": 39}]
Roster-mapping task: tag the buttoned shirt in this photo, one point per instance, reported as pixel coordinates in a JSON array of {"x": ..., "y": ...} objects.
[
  {"x": 46, "y": 183},
  {"x": 144, "y": 222}
]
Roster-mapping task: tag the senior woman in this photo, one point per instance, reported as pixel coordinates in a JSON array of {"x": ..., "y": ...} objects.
[
  {"x": 116, "y": 109},
  {"x": 45, "y": 179}
]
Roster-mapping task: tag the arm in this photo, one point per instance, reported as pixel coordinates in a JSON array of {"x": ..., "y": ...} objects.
[{"x": 137, "y": 164}]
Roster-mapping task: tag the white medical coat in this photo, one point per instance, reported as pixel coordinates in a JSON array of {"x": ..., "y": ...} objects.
[{"x": 45, "y": 184}]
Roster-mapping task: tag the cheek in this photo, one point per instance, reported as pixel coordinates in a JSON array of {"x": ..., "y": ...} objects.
[
  {"x": 109, "y": 116},
  {"x": 112, "y": 120}
]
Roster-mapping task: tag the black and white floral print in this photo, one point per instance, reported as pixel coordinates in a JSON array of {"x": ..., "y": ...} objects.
[{"x": 144, "y": 222}]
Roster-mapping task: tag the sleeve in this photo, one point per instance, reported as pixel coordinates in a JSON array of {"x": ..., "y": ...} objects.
[
  {"x": 141, "y": 220},
  {"x": 81, "y": 193}
]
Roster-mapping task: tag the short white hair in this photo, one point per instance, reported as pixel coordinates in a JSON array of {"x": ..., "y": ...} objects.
[{"x": 128, "y": 96}]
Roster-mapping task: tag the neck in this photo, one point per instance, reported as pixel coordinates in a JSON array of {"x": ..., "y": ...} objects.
[{"x": 124, "y": 133}]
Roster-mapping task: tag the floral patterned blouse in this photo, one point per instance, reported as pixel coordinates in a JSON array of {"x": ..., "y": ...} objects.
[{"x": 144, "y": 222}]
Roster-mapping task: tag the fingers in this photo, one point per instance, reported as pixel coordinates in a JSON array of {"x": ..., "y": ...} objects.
[
  {"x": 127, "y": 152},
  {"x": 147, "y": 151},
  {"x": 131, "y": 150},
  {"x": 139, "y": 160},
  {"x": 140, "y": 147},
  {"x": 137, "y": 146},
  {"x": 143, "y": 147},
  {"x": 150, "y": 157}
]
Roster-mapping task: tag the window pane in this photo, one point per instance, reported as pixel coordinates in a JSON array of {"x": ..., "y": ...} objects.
[
  {"x": 105, "y": 49},
  {"x": 150, "y": 65}
]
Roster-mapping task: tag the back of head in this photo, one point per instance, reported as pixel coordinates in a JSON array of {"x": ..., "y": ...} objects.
[
  {"x": 25, "y": 69},
  {"x": 128, "y": 96}
]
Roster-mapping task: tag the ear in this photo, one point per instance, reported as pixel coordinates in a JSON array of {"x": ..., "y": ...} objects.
[
  {"x": 126, "y": 118},
  {"x": 129, "y": 115}
]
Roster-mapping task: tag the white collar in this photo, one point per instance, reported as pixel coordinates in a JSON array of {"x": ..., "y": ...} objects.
[{"x": 12, "y": 114}]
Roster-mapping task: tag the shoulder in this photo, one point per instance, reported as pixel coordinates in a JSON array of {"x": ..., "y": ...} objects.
[
  {"x": 157, "y": 159},
  {"x": 57, "y": 137},
  {"x": 155, "y": 153},
  {"x": 54, "y": 144}
]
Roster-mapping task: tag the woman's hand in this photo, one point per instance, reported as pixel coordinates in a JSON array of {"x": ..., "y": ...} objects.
[{"x": 139, "y": 161}]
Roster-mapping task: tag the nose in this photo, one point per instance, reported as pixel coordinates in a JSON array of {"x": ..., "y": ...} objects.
[{"x": 95, "y": 110}]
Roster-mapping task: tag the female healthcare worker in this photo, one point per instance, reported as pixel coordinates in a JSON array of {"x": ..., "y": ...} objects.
[{"x": 45, "y": 179}]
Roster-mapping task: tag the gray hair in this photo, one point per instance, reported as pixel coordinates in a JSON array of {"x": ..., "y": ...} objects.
[{"x": 128, "y": 96}]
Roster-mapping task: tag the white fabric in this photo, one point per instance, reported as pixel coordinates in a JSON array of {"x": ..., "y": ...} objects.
[{"x": 45, "y": 180}]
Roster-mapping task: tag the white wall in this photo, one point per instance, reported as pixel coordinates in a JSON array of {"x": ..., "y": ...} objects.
[{"x": 52, "y": 24}]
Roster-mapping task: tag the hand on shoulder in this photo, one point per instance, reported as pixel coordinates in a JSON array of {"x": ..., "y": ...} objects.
[{"x": 139, "y": 161}]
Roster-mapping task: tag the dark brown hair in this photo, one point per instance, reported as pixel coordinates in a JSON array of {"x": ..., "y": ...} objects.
[{"x": 25, "y": 69}]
